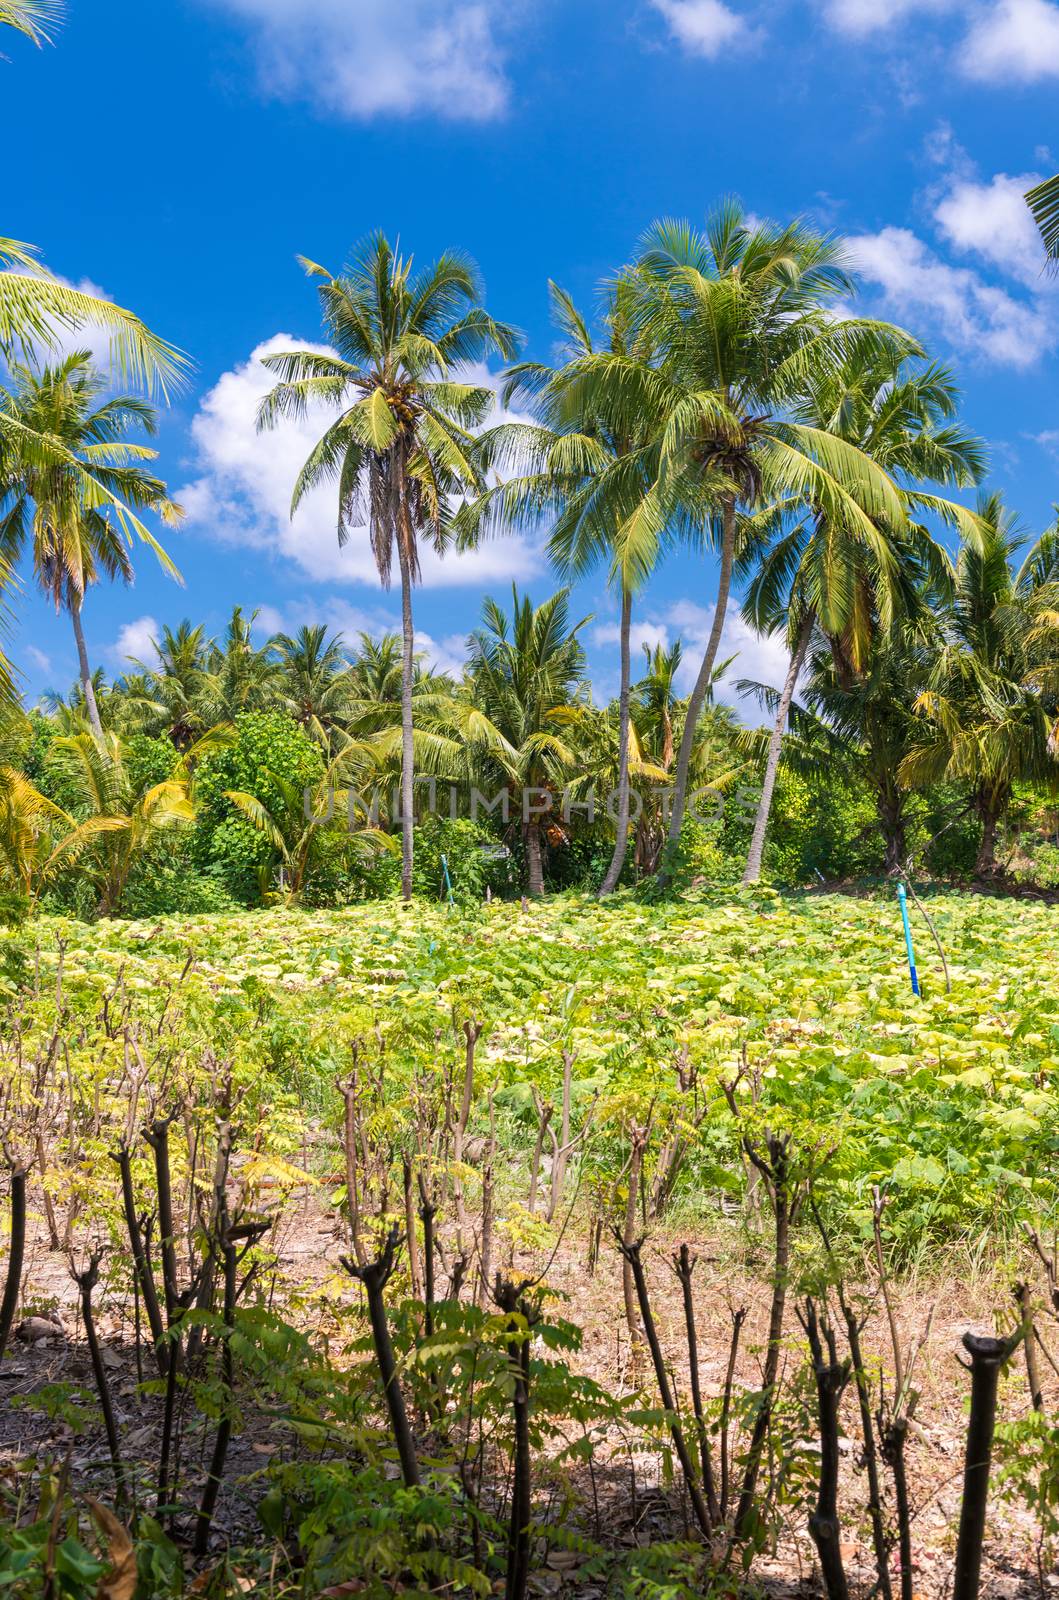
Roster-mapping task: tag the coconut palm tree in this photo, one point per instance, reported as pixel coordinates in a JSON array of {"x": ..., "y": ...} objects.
[
  {"x": 238, "y": 675},
  {"x": 590, "y": 477},
  {"x": 315, "y": 680},
  {"x": 37, "y": 837},
  {"x": 400, "y": 448},
  {"x": 821, "y": 570},
  {"x": 523, "y": 675},
  {"x": 990, "y": 716},
  {"x": 738, "y": 316},
  {"x": 73, "y": 504},
  {"x": 169, "y": 695},
  {"x": 99, "y": 773}
]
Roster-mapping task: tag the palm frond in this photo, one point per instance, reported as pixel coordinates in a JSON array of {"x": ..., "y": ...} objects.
[{"x": 1043, "y": 201}]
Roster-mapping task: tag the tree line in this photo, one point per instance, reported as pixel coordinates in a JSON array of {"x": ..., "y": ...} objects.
[{"x": 724, "y": 401}]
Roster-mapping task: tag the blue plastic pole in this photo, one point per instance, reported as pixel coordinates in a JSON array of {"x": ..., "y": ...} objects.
[
  {"x": 913, "y": 974},
  {"x": 448, "y": 880}
]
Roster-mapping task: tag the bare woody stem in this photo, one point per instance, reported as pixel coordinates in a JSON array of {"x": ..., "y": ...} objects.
[
  {"x": 739, "y": 1316},
  {"x": 871, "y": 1452},
  {"x": 510, "y": 1298},
  {"x": 684, "y": 1263},
  {"x": 775, "y": 1170},
  {"x": 141, "y": 1266},
  {"x": 988, "y": 1357},
  {"x": 17, "y": 1252},
  {"x": 631, "y": 1254},
  {"x": 628, "y": 1237},
  {"x": 1024, "y": 1301},
  {"x": 894, "y": 1440},
  {"x": 157, "y": 1136},
  {"x": 831, "y": 1377},
  {"x": 86, "y": 1282},
  {"x": 408, "y": 1188},
  {"x": 348, "y": 1091},
  {"x": 375, "y": 1275},
  {"x": 867, "y": 1422},
  {"x": 228, "y": 1243},
  {"x": 427, "y": 1212}
]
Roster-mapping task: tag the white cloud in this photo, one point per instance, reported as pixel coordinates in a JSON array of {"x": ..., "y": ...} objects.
[
  {"x": 1013, "y": 41},
  {"x": 135, "y": 642},
  {"x": 41, "y": 661},
  {"x": 443, "y": 655},
  {"x": 243, "y": 491},
  {"x": 363, "y": 58},
  {"x": 268, "y": 620},
  {"x": 942, "y": 149},
  {"x": 650, "y": 634},
  {"x": 861, "y": 17},
  {"x": 993, "y": 221},
  {"x": 704, "y": 27},
  {"x": 1048, "y": 441},
  {"x": 336, "y": 614},
  {"x": 975, "y": 316}
]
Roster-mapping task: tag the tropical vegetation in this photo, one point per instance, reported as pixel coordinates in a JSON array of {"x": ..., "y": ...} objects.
[{"x": 468, "y": 1131}]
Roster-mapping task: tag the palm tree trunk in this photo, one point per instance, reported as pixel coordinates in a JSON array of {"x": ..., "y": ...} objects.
[
  {"x": 702, "y": 682},
  {"x": 989, "y": 806},
  {"x": 407, "y": 741},
  {"x": 621, "y": 843},
  {"x": 889, "y": 802},
  {"x": 761, "y": 821},
  {"x": 534, "y": 866},
  {"x": 86, "y": 675}
]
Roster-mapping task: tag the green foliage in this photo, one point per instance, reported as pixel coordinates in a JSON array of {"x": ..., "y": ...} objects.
[
  {"x": 1028, "y": 1462},
  {"x": 1044, "y": 871},
  {"x": 225, "y": 846},
  {"x": 148, "y": 760},
  {"x": 474, "y": 858},
  {"x": 822, "y": 827},
  {"x": 167, "y": 881},
  {"x": 15, "y": 909},
  {"x": 663, "y": 1571},
  {"x": 705, "y": 853}
]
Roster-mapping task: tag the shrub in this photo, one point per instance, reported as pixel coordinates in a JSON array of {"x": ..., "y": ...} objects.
[
  {"x": 1043, "y": 870},
  {"x": 147, "y": 761},
  {"x": 701, "y": 855},
  {"x": 472, "y": 867},
  {"x": 819, "y": 828},
  {"x": 165, "y": 880},
  {"x": 225, "y": 846},
  {"x": 954, "y": 833},
  {"x": 345, "y": 870}
]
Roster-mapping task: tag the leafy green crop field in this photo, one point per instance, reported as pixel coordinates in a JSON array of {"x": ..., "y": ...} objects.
[
  {"x": 949, "y": 1100},
  {"x": 480, "y": 1118}
]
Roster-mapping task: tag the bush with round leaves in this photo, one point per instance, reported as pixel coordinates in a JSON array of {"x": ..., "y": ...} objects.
[{"x": 225, "y": 846}]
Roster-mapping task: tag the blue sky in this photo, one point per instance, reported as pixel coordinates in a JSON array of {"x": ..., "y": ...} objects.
[{"x": 178, "y": 156}]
